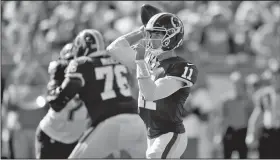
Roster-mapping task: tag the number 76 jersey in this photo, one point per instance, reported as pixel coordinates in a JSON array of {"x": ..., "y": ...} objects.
[
  {"x": 105, "y": 89},
  {"x": 165, "y": 115}
]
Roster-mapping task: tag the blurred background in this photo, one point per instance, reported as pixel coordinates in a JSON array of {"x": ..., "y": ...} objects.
[{"x": 220, "y": 38}]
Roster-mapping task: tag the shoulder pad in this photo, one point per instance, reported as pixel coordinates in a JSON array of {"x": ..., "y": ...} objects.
[
  {"x": 83, "y": 59},
  {"x": 73, "y": 66},
  {"x": 52, "y": 67},
  {"x": 78, "y": 63}
]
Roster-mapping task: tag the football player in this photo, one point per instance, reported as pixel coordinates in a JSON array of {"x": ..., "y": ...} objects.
[
  {"x": 101, "y": 82},
  {"x": 164, "y": 81},
  {"x": 266, "y": 111},
  {"x": 59, "y": 132}
]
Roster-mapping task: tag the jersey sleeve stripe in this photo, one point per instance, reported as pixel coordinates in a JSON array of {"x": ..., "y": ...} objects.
[
  {"x": 189, "y": 83},
  {"x": 76, "y": 75}
]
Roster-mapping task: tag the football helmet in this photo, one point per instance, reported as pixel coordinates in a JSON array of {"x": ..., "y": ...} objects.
[
  {"x": 170, "y": 27},
  {"x": 88, "y": 42},
  {"x": 66, "y": 53}
]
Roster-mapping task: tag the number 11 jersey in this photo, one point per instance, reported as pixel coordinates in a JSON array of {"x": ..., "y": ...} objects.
[
  {"x": 165, "y": 115},
  {"x": 105, "y": 90}
]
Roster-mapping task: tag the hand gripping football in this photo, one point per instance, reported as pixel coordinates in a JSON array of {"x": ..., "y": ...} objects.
[{"x": 147, "y": 12}]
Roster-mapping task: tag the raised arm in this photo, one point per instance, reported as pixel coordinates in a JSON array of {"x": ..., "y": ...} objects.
[{"x": 121, "y": 49}]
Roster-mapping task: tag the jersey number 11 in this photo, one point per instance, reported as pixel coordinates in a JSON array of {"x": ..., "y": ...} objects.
[{"x": 188, "y": 73}]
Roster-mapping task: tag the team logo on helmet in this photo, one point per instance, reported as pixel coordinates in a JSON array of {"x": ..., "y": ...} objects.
[{"x": 175, "y": 22}]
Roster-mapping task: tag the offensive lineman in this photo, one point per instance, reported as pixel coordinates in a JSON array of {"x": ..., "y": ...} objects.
[
  {"x": 59, "y": 132},
  {"x": 164, "y": 81},
  {"x": 102, "y": 85}
]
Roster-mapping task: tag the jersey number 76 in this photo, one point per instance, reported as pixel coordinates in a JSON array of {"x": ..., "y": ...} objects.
[{"x": 109, "y": 73}]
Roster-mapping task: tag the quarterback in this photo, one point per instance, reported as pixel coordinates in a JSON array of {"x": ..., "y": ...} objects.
[{"x": 164, "y": 81}]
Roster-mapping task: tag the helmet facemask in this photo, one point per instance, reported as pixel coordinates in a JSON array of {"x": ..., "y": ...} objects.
[
  {"x": 162, "y": 35},
  {"x": 154, "y": 40}
]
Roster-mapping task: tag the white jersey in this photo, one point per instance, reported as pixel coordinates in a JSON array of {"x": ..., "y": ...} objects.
[
  {"x": 268, "y": 100},
  {"x": 68, "y": 125}
]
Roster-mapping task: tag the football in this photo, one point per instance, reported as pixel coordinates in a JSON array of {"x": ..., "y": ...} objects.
[{"x": 148, "y": 11}]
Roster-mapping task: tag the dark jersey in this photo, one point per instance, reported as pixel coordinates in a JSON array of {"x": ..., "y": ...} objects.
[
  {"x": 165, "y": 115},
  {"x": 105, "y": 90}
]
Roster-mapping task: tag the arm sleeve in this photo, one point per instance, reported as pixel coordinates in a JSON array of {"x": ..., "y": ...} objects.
[{"x": 123, "y": 52}]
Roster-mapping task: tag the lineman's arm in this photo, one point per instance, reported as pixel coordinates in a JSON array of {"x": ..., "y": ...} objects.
[{"x": 73, "y": 82}]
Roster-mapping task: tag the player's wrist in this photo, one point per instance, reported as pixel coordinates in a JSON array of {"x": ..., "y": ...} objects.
[
  {"x": 142, "y": 69},
  {"x": 134, "y": 36}
]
